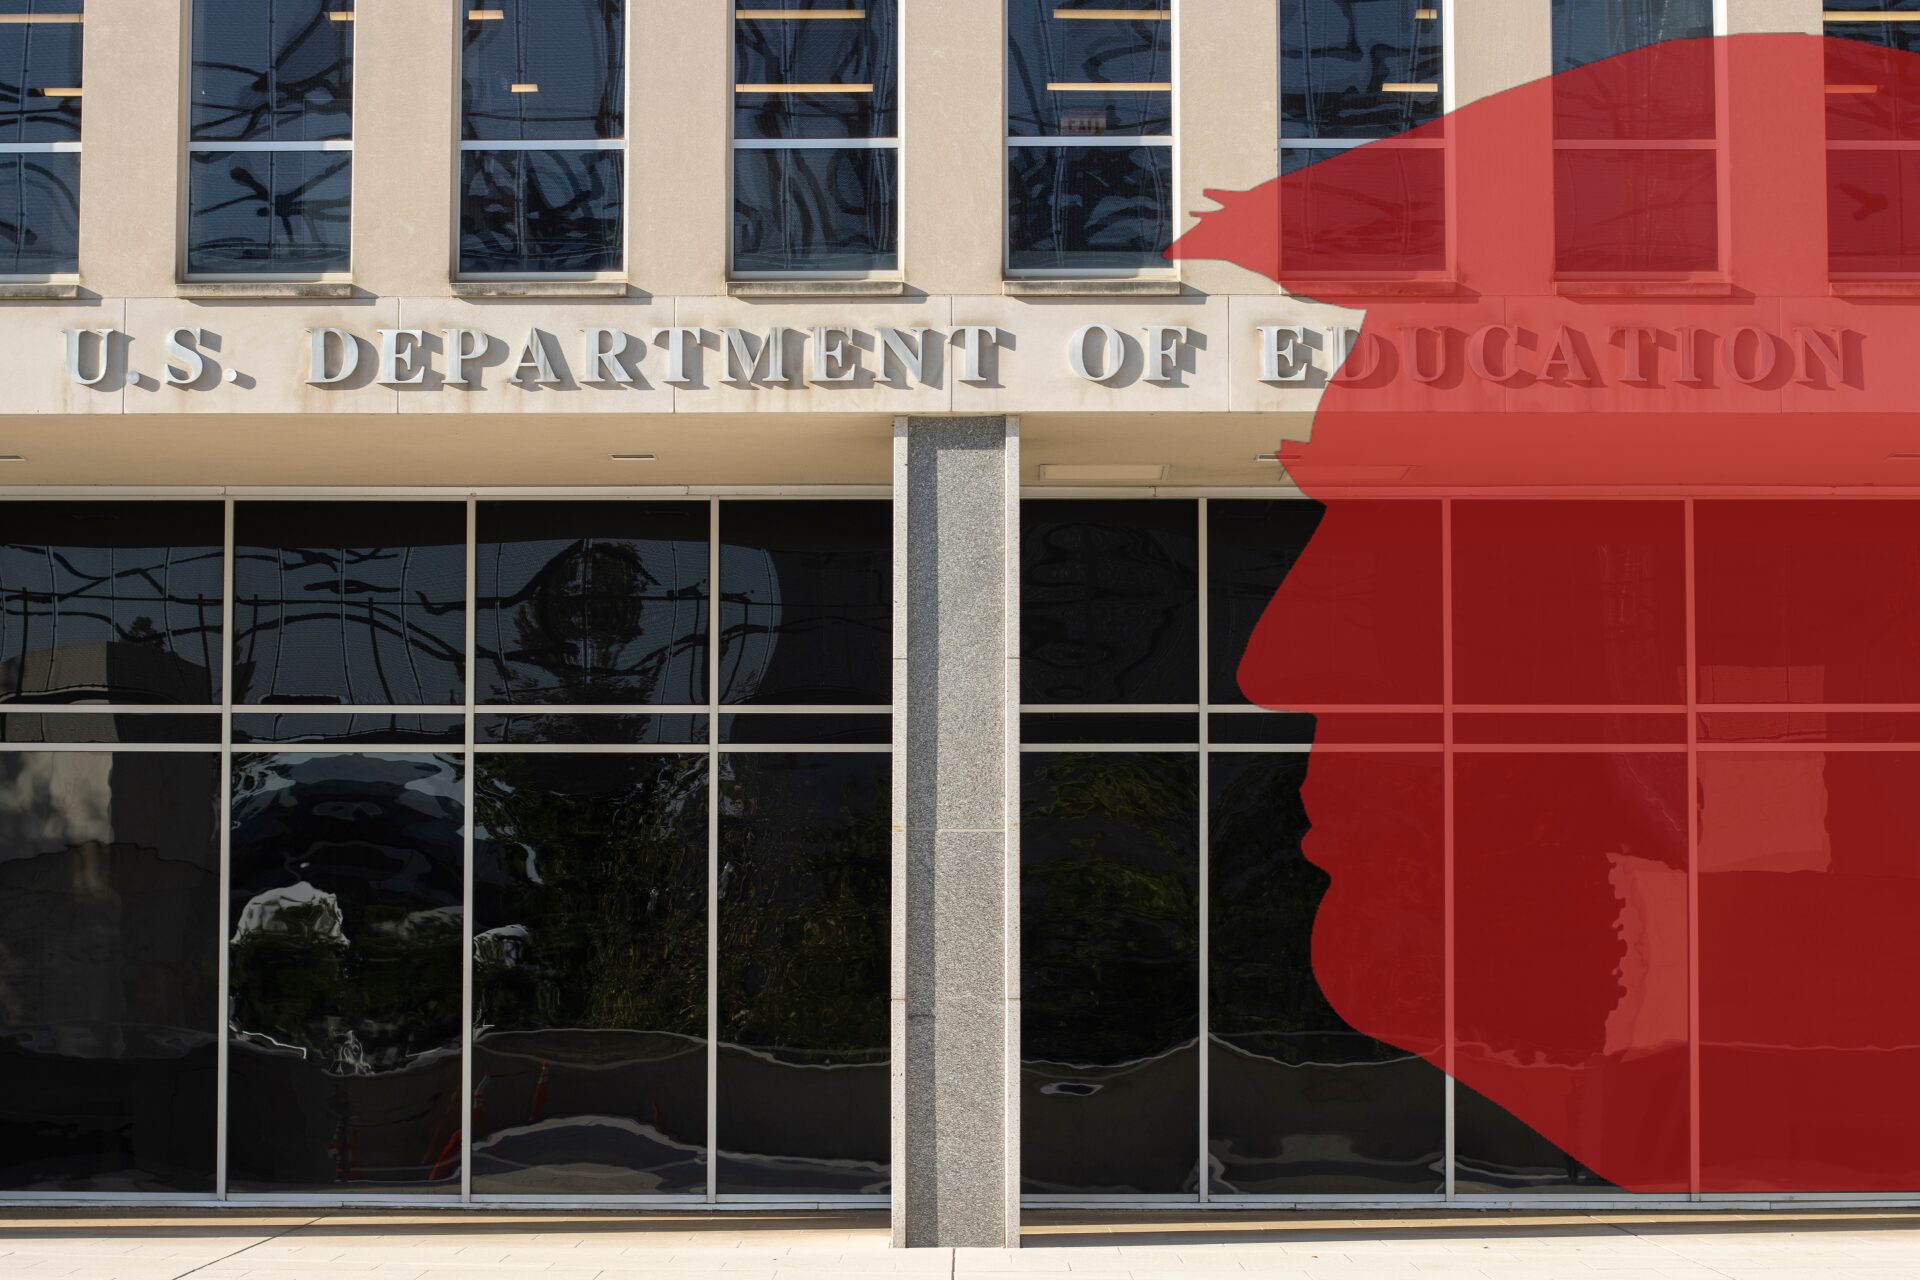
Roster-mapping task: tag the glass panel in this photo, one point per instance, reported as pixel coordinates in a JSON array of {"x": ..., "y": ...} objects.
[
  {"x": 1635, "y": 211},
  {"x": 1873, "y": 211},
  {"x": 109, "y": 970},
  {"x": 1301, "y": 1103},
  {"x": 551, "y": 69},
  {"x": 110, "y": 602},
  {"x": 1250, "y": 548},
  {"x": 593, "y": 730},
  {"x": 1808, "y": 884},
  {"x": 345, "y": 968},
  {"x": 350, "y": 602},
  {"x": 1109, "y": 602},
  {"x": 592, "y": 602},
  {"x": 1648, "y": 96},
  {"x": 1572, "y": 1012},
  {"x": 1381, "y": 210},
  {"x": 1109, "y": 973},
  {"x": 803, "y": 1082},
  {"x": 1808, "y": 601},
  {"x": 1499, "y": 1154},
  {"x": 806, "y": 603},
  {"x": 33, "y": 726},
  {"x": 815, "y": 210},
  {"x": 590, "y": 974},
  {"x": 1569, "y": 602},
  {"x": 1080, "y": 208},
  {"x": 272, "y": 71},
  {"x": 807, "y": 730},
  {"x": 271, "y": 211},
  {"x": 1108, "y": 727},
  {"x": 374, "y": 730},
  {"x": 1077, "y": 67},
  {"x": 37, "y": 59},
  {"x": 39, "y": 214},
  {"x": 859, "y": 51},
  {"x": 540, "y": 210},
  {"x": 1358, "y": 68}
]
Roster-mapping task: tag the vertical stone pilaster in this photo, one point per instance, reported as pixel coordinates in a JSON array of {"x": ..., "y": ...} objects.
[{"x": 955, "y": 958}]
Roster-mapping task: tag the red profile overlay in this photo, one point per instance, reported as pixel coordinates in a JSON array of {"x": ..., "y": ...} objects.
[{"x": 1611, "y": 626}]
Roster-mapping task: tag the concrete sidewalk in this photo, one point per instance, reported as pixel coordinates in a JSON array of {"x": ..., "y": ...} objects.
[{"x": 109, "y": 1245}]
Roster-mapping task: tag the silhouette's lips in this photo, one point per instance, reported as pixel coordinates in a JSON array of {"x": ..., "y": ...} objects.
[{"x": 1643, "y": 888}]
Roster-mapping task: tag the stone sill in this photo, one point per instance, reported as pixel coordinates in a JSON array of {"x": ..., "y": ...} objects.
[
  {"x": 39, "y": 290},
  {"x": 1365, "y": 288},
  {"x": 1150, "y": 287},
  {"x": 539, "y": 288},
  {"x": 1643, "y": 288},
  {"x": 1874, "y": 288},
  {"x": 247, "y": 290},
  {"x": 816, "y": 288}
]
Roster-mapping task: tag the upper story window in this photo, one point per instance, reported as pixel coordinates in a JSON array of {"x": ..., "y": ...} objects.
[
  {"x": 40, "y": 137},
  {"x": 1089, "y": 136},
  {"x": 542, "y": 156},
  {"x": 1352, "y": 73},
  {"x": 816, "y": 138},
  {"x": 1873, "y": 140},
  {"x": 1625, "y": 142},
  {"x": 270, "y": 150}
]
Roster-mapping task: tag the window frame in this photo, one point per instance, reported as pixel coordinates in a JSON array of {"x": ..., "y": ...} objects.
[
  {"x": 78, "y": 18},
  {"x": 462, "y": 146},
  {"x": 1170, "y": 141},
  {"x": 896, "y": 144},
  {"x": 189, "y": 147}
]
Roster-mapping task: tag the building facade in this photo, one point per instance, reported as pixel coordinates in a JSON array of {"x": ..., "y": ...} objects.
[{"x": 639, "y": 601}]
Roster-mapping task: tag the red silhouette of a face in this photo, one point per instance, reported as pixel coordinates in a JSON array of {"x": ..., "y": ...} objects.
[{"x": 1619, "y": 583}]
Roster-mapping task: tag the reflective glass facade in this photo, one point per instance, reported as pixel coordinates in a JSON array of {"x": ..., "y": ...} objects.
[
  {"x": 816, "y": 138},
  {"x": 569, "y": 866},
  {"x": 270, "y": 129},
  {"x": 1089, "y": 136},
  {"x": 543, "y": 115}
]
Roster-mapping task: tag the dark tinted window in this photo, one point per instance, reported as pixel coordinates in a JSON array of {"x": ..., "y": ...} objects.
[
  {"x": 808, "y": 70},
  {"x": 1089, "y": 208},
  {"x": 806, "y": 610},
  {"x": 269, "y": 211},
  {"x": 1358, "y": 68},
  {"x": 593, "y": 602},
  {"x": 110, "y": 602},
  {"x": 1250, "y": 548},
  {"x": 40, "y": 77},
  {"x": 1083, "y": 68},
  {"x": 590, "y": 974},
  {"x": 532, "y": 211},
  {"x": 1109, "y": 602},
  {"x": 39, "y": 213},
  {"x": 345, "y": 969},
  {"x": 272, "y": 70},
  {"x": 109, "y": 908},
  {"x": 350, "y": 602},
  {"x": 545, "y": 69},
  {"x": 1109, "y": 973},
  {"x": 803, "y": 1086}
]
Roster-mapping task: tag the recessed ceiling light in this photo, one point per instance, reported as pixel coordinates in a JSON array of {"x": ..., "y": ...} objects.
[
  {"x": 631, "y": 457},
  {"x": 1105, "y": 472}
]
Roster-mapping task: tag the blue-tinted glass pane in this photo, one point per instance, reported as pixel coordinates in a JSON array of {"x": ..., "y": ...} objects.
[
  {"x": 38, "y": 61},
  {"x": 540, "y": 211},
  {"x": 110, "y": 602},
  {"x": 1089, "y": 207},
  {"x": 814, "y": 210},
  {"x": 858, "y": 52},
  {"x": 39, "y": 214},
  {"x": 272, "y": 70},
  {"x": 1338, "y": 59},
  {"x": 268, "y": 211},
  {"x": 1887, "y": 35},
  {"x": 1063, "y": 54},
  {"x": 1588, "y": 30},
  {"x": 551, "y": 69}
]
